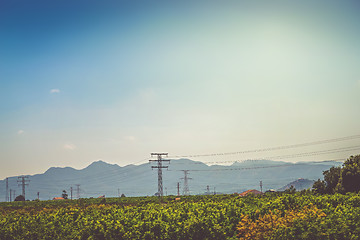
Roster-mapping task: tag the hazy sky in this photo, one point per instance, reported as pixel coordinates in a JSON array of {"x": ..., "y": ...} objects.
[{"x": 117, "y": 80}]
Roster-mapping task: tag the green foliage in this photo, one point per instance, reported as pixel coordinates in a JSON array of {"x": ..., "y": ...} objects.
[
  {"x": 340, "y": 179},
  {"x": 350, "y": 175},
  {"x": 64, "y": 194},
  {"x": 20, "y": 198},
  {"x": 290, "y": 190},
  {"x": 125, "y": 218},
  {"x": 191, "y": 217},
  {"x": 319, "y": 187},
  {"x": 331, "y": 177}
]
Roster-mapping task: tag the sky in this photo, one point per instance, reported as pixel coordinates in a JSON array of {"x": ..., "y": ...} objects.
[{"x": 116, "y": 80}]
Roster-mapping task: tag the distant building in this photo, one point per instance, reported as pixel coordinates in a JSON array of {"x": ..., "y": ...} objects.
[
  {"x": 58, "y": 198},
  {"x": 251, "y": 191}
]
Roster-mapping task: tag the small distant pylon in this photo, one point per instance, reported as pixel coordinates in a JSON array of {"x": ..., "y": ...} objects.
[
  {"x": 7, "y": 190},
  {"x": 186, "y": 179},
  {"x": 23, "y": 181},
  {"x": 77, "y": 191}
]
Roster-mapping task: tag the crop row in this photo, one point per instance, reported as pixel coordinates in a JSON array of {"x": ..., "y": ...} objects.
[{"x": 283, "y": 216}]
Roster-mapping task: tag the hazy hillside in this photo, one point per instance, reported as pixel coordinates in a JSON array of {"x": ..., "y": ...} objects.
[
  {"x": 299, "y": 184},
  {"x": 101, "y": 178}
]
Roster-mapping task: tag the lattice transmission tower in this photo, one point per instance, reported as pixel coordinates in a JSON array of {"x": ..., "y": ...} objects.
[
  {"x": 159, "y": 167},
  {"x": 186, "y": 179},
  {"x": 23, "y": 181}
]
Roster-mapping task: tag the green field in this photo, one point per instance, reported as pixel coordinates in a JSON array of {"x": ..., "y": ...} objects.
[{"x": 301, "y": 215}]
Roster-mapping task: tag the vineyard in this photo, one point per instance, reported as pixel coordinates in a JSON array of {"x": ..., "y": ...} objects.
[{"x": 301, "y": 215}]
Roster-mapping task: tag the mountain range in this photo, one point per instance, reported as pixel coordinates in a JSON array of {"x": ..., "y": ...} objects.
[{"x": 101, "y": 178}]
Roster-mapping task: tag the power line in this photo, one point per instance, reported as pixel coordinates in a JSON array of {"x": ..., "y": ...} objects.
[
  {"x": 94, "y": 177},
  {"x": 314, "y": 153},
  {"x": 99, "y": 179},
  {"x": 234, "y": 169},
  {"x": 272, "y": 148},
  {"x": 99, "y": 175},
  {"x": 251, "y": 168},
  {"x": 296, "y": 155}
]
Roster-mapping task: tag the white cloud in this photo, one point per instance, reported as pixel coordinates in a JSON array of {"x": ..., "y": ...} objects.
[
  {"x": 69, "y": 146},
  {"x": 20, "y": 132},
  {"x": 55, "y": 90}
]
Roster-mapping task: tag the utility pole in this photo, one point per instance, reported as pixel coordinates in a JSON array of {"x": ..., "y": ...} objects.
[
  {"x": 10, "y": 194},
  {"x": 119, "y": 192},
  {"x": 77, "y": 191},
  {"x": 178, "y": 188},
  {"x": 261, "y": 186},
  {"x": 38, "y": 194},
  {"x": 71, "y": 192},
  {"x": 208, "y": 190},
  {"x": 14, "y": 191},
  {"x": 7, "y": 190},
  {"x": 159, "y": 167},
  {"x": 186, "y": 190},
  {"x": 22, "y": 181},
  {"x": 214, "y": 191}
]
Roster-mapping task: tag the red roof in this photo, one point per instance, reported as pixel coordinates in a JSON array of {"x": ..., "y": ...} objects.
[
  {"x": 251, "y": 191},
  {"x": 58, "y": 198}
]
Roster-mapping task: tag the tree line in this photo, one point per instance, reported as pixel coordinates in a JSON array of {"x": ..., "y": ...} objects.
[{"x": 342, "y": 179}]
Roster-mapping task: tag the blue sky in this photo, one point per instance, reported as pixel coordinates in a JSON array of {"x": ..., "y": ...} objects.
[{"x": 88, "y": 80}]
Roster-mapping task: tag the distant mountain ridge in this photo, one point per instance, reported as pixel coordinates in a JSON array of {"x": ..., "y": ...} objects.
[{"x": 101, "y": 178}]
